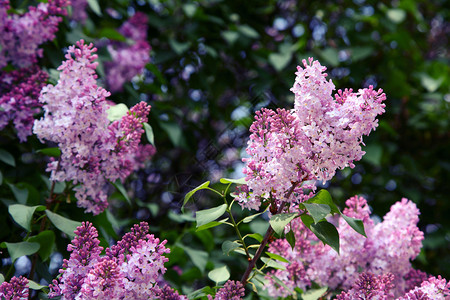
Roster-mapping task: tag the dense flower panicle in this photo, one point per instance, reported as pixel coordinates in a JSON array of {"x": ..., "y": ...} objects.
[
  {"x": 434, "y": 288},
  {"x": 369, "y": 286},
  {"x": 79, "y": 13},
  {"x": 414, "y": 278},
  {"x": 19, "y": 93},
  {"x": 397, "y": 240},
  {"x": 276, "y": 160},
  {"x": 131, "y": 273},
  {"x": 93, "y": 150},
  {"x": 231, "y": 290},
  {"x": 21, "y": 35},
  {"x": 15, "y": 289},
  {"x": 129, "y": 240},
  {"x": 104, "y": 281},
  {"x": 373, "y": 254},
  {"x": 320, "y": 135},
  {"x": 128, "y": 60},
  {"x": 85, "y": 254},
  {"x": 168, "y": 293}
]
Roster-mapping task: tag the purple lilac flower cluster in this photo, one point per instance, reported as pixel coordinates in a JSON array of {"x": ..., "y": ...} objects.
[
  {"x": 21, "y": 35},
  {"x": 93, "y": 150},
  {"x": 15, "y": 289},
  {"x": 128, "y": 60},
  {"x": 79, "y": 10},
  {"x": 231, "y": 290},
  {"x": 321, "y": 134},
  {"x": 129, "y": 270},
  {"x": 19, "y": 90},
  {"x": 369, "y": 286},
  {"x": 389, "y": 248}
]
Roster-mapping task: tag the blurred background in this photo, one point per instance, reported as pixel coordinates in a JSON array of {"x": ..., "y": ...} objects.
[{"x": 214, "y": 63}]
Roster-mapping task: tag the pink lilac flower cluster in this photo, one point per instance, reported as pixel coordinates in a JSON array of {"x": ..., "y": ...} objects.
[
  {"x": 369, "y": 286},
  {"x": 321, "y": 134},
  {"x": 15, "y": 289},
  {"x": 128, "y": 60},
  {"x": 21, "y": 35},
  {"x": 93, "y": 150},
  {"x": 129, "y": 270},
  {"x": 389, "y": 248},
  {"x": 19, "y": 90}
]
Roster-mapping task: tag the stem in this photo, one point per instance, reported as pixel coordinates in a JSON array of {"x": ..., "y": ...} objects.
[
  {"x": 266, "y": 238},
  {"x": 238, "y": 232}
]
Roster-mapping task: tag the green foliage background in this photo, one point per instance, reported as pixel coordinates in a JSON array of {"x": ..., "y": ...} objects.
[{"x": 213, "y": 64}]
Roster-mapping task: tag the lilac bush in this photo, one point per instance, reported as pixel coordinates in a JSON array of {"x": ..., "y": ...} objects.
[{"x": 290, "y": 150}]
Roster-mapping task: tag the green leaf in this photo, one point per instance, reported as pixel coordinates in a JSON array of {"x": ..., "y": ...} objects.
[
  {"x": 191, "y": 193},
  {"x": 429, "y": 83},
  {"x": 180, "y": 218},
  {"x": 112, "y": 34},
  {"x": 21, "y": 194},
  {"x": 252, "y": 217},
  {"x": 317, "y": 211},
  {"x": 396, "y": 15},
  {"x": 373, "y": 154},
  {"x": 324, "y": 197},
  {"x": 280, "y": 60},
  {"x": 236, "y": 181},
  {"x": 290, "y": 237},
  {"x": 359, "y": 53},
  {"x": 230, "y": 36},
  {"x": 211, "y": 224},
  {"x": 199, "y": 258},
  {"x": 17, "y": 250},
  {"x": 330, "y": 56},
  {"x": 179, "y": 48},
  {"x": 248, "y": 31},
  {"x": 23, "y": 214},
  {"x": 149, "y": 133},
  {"x": 256, "y": 236},
  {"x": 65, "y": 225},
  {"x": 307, "y": 220},
  {"x": 229, "y": 246},
  {"x": 2, "y": 278},
  {"x": 93, "y": 4},
  {"x": 1, "y": 178},
  {"x": 189, "y": 9},
  {"x": 119, "y": 186},
  {"x": 175, "y": 133},
  {"x": 279, "y": 221},
  {"x": 7, "y": 158},
  {"x": 35, "y": 286},
  {"x": 277, "y": 257},
  {"x": 45, "y": 239},
  {"x": 219, "y": 275},
  {"x": 273, "y": 264},
  {"x": 53, "y": 151},
  {"x": 116, "y": 112},
  {"x": 207, "y": 215},
  {"x": 314, "y": 294},
  {"x": 356, "y": 224},
  {"x": 327, "y": 233}
]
